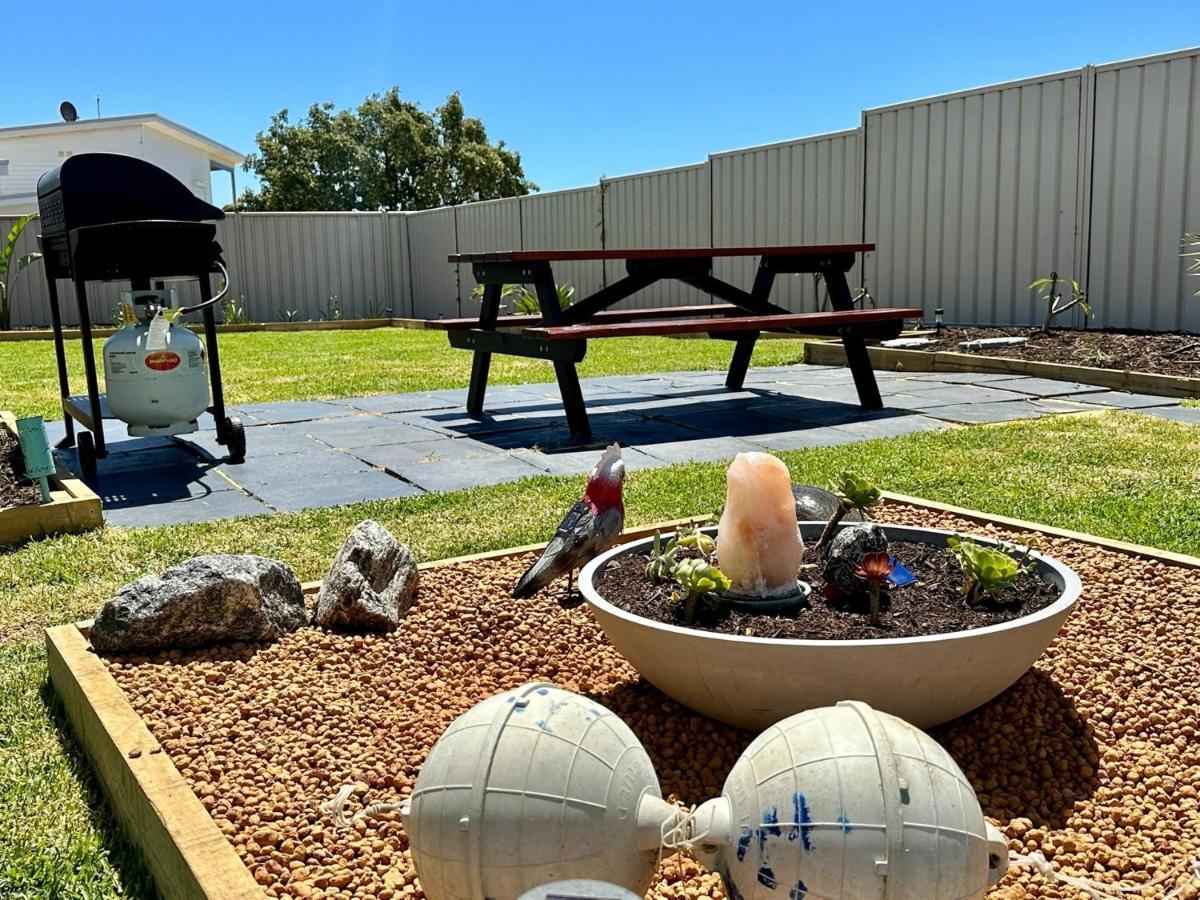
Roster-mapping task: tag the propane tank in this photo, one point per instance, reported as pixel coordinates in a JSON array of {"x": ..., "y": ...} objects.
[{"x": 155, "y": 371}]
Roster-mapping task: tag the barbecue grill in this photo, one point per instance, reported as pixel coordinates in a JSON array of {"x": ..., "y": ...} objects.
[{"x": 108, "y": 217}]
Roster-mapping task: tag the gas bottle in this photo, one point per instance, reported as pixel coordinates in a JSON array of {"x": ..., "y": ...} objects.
[{"x": 155, "y": 371}]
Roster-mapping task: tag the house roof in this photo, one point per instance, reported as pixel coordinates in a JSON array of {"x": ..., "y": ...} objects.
[{"x": 219, "y": 155}]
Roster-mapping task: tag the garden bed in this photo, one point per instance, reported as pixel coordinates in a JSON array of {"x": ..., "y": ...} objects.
[
  {"x": 1162, "y": 352},
  {"x": 1091, "y": 757},
  {"x": 73, "y": 505},
  {"x": 1134, "y": 372}
]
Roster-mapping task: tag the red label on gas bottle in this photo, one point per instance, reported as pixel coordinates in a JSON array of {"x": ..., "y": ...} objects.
[{"x": 162, "y": 360}]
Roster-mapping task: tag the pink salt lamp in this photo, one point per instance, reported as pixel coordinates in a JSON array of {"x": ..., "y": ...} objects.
[{"x": 758, "y": 544}]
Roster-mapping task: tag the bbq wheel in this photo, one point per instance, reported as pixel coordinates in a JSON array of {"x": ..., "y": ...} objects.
[
  {"x": 235, "y": 440},
  {"x": 85, "y": 445}
]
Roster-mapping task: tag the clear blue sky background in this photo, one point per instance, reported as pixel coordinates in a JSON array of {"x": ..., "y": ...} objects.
[{"x": 580, "y": 89}]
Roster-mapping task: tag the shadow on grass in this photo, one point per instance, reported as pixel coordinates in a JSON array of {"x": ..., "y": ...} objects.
[
  {"x": 125, "y": 858},
  {"x": 1028, "y": 753}
]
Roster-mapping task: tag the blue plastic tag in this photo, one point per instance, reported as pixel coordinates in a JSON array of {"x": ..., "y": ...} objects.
[{"x": 900, "y": 575}]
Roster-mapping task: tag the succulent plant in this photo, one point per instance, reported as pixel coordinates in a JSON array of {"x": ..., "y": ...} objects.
[
  {"x": 874, "y": 569},
  {"x": 853, "y": 491},
  {"x": 698, "y": 580},
  {"x": 986, "y": 570}
]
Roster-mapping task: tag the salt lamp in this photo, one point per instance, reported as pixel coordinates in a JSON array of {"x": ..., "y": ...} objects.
[{"x": 758, "y": 544}]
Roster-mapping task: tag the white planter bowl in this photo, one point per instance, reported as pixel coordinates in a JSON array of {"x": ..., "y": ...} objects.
[{"x": 753, "y": 682}]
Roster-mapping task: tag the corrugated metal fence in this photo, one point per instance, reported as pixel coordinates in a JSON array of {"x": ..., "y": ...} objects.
[{"x": 969, "y": 196}]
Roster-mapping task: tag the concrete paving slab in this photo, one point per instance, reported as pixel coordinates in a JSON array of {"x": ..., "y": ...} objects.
[
  {"x": 709, "y": 449},
  {"x": 297, "y": 411},
  {"x": 981, "y": 413},
  {"x": 894, "y": 426},
  {"x": 365, "y": 431},
  {"x": 339, "y": 490},
  {"x": 1189, "y": 415},
  {"x": 221, "y": 505},
  {"x": 803, "y": 438},
  {"x": 581, "y": 462},
  {"x": 1045, "y": 387},
  {"x": 258, "y": 471},
  {"x": 450, "y": 465},
  {"x": 1125, "y": 400},
  {"x": 395, "y": 403},
  {"x": 932, "y": 397}
]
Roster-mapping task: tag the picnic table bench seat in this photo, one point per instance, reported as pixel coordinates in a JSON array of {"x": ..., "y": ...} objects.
[{"x": 561, "y": 335}]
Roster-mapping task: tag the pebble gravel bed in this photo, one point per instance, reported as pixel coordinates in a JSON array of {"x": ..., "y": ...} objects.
[{"x": 1091, "y": 757}]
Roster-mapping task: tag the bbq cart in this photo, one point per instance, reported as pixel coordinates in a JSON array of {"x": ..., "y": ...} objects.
[{"x": 109, "y": 217}]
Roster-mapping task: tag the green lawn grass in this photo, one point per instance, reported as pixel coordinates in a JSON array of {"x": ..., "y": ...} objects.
[
  {"x": 1116, "y": 474},
  {"x": 323, "y": 365}
]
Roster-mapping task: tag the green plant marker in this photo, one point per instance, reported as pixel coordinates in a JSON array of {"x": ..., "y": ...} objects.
[{"x": 35, "y": 448}]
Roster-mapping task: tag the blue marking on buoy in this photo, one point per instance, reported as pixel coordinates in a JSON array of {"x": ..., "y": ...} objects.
[
  {"x": 803, "y": 819},
  {"x": 543, "y": 691},
  {"x": 799, "y": 892},
  {"x": 845, "y": 823},
  {"x": 766, "y": 878},
  {"x": 771, "y": 821},
  {"x": 743, "y": 843}
]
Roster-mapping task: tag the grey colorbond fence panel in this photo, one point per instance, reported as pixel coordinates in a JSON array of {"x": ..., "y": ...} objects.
[
  {"x": 667, "y": 208},
  {"x": 1145, "y": 192},
  {"x": 566, "y": 220},
  {"x": 971, "y": 196},
  {"x": 796, "y": 192},
  {"x": 434, "y": 282},
  {"x": 297, "y": 262},
  {"x": 490, "y": 225}
]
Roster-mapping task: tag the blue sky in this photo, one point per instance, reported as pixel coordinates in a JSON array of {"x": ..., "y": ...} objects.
[{"x": 579, "y": 89}]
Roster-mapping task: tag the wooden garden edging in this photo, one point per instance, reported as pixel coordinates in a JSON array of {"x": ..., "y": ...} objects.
[
  {"x": 73, "y": 505},
  {"x": 184, "y": 850},
  {"x": 824, "y": 353}
]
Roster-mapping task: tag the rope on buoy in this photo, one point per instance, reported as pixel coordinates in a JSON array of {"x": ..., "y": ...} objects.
[
  {"x": 335, "y": 808},
  {"x": 1101, "y": 891}
]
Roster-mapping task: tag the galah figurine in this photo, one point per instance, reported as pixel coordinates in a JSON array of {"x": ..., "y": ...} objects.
[{"x": 591, "y": 527}]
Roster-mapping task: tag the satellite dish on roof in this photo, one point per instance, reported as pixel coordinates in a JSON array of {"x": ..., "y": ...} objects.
[{"x": 66, "y": 109}]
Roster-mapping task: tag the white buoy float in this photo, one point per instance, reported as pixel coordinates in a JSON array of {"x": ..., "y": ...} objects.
[
  {"x": 532, "y": 786},
  {"x": 845, "y": 801}
]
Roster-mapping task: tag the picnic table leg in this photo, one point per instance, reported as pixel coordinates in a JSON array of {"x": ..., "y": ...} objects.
[
  {"x": 856, "y": 348},
  {"x": 489, "y": 311},
  {"x": 564, "y": 371},
  {"x": 743, "y": 349}
]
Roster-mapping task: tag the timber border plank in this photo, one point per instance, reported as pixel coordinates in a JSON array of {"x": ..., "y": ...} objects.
[{"x": 186, "y": 853}]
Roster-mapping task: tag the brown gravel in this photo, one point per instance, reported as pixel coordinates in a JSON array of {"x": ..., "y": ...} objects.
[
  {"x": 1091, "y": 757},
  {"x": 1161, "y": 352},
  {"x": 932, "y": 604},
  {"x": 15, "y": 488}
]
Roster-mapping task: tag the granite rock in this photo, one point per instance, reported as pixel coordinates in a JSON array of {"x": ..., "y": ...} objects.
[
  {"x": 370, "y": 585},
  {"x": 206, "y": 600}
]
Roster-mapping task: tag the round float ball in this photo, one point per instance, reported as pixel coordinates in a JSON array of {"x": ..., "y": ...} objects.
[
  {"x": 533, "y": 786},
  {"x": 845, "y": 801}
]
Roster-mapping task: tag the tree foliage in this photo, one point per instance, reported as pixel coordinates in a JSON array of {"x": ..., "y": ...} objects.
[{"x": 389, "y": 153}]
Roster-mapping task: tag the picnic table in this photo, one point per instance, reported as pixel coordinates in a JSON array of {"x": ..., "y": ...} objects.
[{"x": 561, "y": 335}]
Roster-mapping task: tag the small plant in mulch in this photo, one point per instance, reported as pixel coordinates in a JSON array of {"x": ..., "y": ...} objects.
[
  {"x": 853, "y": 491},
  {"x": 697, "y": 579},
  {"x": 987, "y": 571},
  {"x": 1048, "y": 293},
  {"x": 875, "y": 569}
]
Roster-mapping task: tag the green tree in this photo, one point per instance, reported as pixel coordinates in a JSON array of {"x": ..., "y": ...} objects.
[{"x": 388, "y": 153}]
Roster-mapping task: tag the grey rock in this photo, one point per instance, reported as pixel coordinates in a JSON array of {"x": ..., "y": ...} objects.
[
  {"x": 814, "y": 504},
  {"x": 206, "y": 600},
  {"x": 846, "y": 551},
  {"x": 370, "y": 585}
]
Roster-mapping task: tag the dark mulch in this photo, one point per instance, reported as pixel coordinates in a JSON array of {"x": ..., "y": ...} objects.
[
  {"x": 1163, "y": 353},
  {"x": 930, "y": 605},
  {"x": 15, "y": 489}
]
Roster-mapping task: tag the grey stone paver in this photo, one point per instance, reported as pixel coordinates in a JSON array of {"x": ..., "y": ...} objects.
[
  {"x": 326, "y": 453},
  {"x": 1045, "y": 387}
]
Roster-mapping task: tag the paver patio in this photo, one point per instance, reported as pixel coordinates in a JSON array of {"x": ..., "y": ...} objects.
[{"x": 327, "y": 453}]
